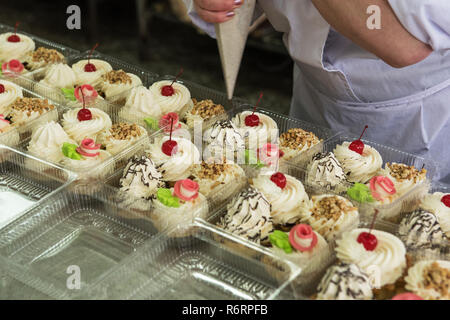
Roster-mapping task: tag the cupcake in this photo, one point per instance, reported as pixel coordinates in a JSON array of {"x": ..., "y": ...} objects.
[
  {"x": 174, "y": 164},
  {"x": 42, "y": 57},
  {"x": 248, "y": 216},
  {"x": 430, "y": 279},
  {"x": 47, "y": 140},
  {"x": 405, "y": 177},
  {"x": 223, "y": 139},
  {"x": 375, "y": 252},
  {"x": 258, "y": 132},
  {"x": 296, "y": 145},
  {"x": 301, "y": 245},
  {"x": 15, "y": 46},
  {"x": 87, "y": 158},
  {"x": 94, "y": 126},
  {"x": 24, "y": 110},
  {"x": 178, "y": 206},
  {"x": 331, "y": 215},
  {"x": 8, "y": 136},
  {"x": 57, "y": 77},
  {"x": 287, "y": 197},
  {"x": 218, "y": 181},
  {"x": 344, "y": 281},
  {"x": 439, "y": 204},
  {"x": 121, "y": 136},
  {"x": 116, "y": 83},
  {"x": 421, "y": 231},
  {"x": 171, "y": 97},
  {"x": 358, "y": 167},
  {"x": 139, "y": 105},
  {"x": 202, "y": 112},
  {"x": 91, "y": 71},
  {"x": 325, "y": 171},
  {"x": 9, "y": 92},
  {"x": 84, "y": 95}
]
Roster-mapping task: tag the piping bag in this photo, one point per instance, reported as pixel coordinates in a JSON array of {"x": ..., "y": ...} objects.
[{"x": 231, "y": 38}]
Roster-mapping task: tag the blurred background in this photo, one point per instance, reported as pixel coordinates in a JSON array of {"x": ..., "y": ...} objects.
[{"x": 158, "y": 35}]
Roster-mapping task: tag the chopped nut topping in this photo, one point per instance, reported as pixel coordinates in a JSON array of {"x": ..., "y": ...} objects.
[
  {"x": 117, "y": 76},
  {"x": 207, "y": 108},
  {"x": 331, "y": 208},
  {"x": 297, "y": 138},
  {"x": 438, "y": 279},
  {"x": 30, "y": 105},
  {"x": 124, "y": 131},
  {"x": 402, "y": 172},
  {"x": 211, "y": 170},
  {"x": 47, "y": 55}
]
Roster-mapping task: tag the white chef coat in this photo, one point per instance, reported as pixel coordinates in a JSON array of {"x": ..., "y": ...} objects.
[{"x": 344, "y": 87}]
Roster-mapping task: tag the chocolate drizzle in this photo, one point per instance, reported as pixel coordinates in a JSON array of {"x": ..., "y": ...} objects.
[
  {"x": 421, "y": 230},
  {"x": 345, "y": 281},
  {"x": 326, "y": 170}
]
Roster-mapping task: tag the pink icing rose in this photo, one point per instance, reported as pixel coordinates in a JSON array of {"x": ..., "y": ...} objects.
[
  {"x": 269, "y": 154},
  {"x": 381, "y": 187},
  {"x": 166, "y": 119},
  {"x": 86, "y": 90},
  {"x": 302, "y": 237},
  {"x": 3, "y": 122},
  {"x": 89, "y": 148},
  {"x": 186, "y": 189},
  {"x": 13, "y": 67}
]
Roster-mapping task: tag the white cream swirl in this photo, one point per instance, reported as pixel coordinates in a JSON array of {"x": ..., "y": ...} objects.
[
  {"x": 15, "y": 50},
  {"x": 177, "y": 166},
  {"x": 93, "y": 78},
  {"x": 248, "y": 216},
  {"x": 325, "y": 171},
  {"x": 255, "y": 137},
  {"x": 344, "y": 282},
  {"x": 79, "y": 130},
  {"x": 178, "y": 102},
  {"x": 89, "y": 163},
  {"x": 359, "y": 168},
  {"x": 117, "y": 91},
  {"x": 140, "y": 104},
  {"x": 416, "y": 282},
  {"x": 289, "y": 203},
  {"x": 11, "y": 93},
  {"x": 387, "y": 260},
  {"x": 140, "y": 178},
  {"x": 330, "y": 215},
  {"x": 59, "y": 76},
  {"x": 47, "y": 140},
  {"x": 433, "y": 203},
  {"x": 223, "y": 139}
]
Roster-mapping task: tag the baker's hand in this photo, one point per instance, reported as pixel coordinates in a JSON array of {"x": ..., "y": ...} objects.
[{"x": 216, "y": 11}]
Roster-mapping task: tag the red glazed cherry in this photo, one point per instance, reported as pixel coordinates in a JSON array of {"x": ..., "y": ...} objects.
[
  {"x": 252, "y": 120},
  {"x": 446, "y": 200},
  {"x": 168, "y": 90},
  {"x": 14, "y": 37},
  {"x": 279, "y": 179},
  {"x": 358, "y": 145},
  {"x": 170, "y": 147},
  {"x": 89, "y": 67},
  {"x": 2, "y": 88},
  {"x": 368, "y": 240},
  {"x": 84, "y": 115}
]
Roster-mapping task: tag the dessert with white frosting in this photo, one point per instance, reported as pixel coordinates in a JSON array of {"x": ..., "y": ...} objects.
[
  {"x": 287, "y": 196},
  {"x": 439, "y": 204},
  {"x": 202, "y": 112},
  {"x": 15, "y": 46},
  {"x": 256, "y": 134},
  {"x": 24, "y": 110},
  {"x": 404, "y": 177},
  {"x": 116, "y": 83},
  {"x": 171, "y": 96},
  {"x": 295, "y": 144},
  {"x": 9, "y": 92},
  {"x": 325, "y": 171},
  {"x": 223, "y": 139},
  {"x": 42, "y": 57},
  {"x": 140, "y": 104},
  {"x": 98, "y": 124},
  {"x": 430, "y": 279},
  {"x": 91, "y": 75},
  {"x": 122, "y": 135}
]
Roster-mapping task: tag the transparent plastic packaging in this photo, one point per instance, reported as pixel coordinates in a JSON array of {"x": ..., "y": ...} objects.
[
  {"x": 409, "y": 200},
  {"x": 80, "y": 228},
  {"x": 23, "y": 187},
  {"x": 39, "y": 42},
  {"x": 197, "y": 268}
]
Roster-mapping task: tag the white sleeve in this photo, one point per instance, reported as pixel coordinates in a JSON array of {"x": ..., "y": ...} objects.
[{"x": 427, "y": 20}]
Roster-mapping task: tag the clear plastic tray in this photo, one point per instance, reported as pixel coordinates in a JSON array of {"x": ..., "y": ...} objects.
[
  {"x": 24, "y": 183},
  {"x": 407, "y": 202},
  {"x": 14, "y": 136},
  {"x": 77, "y": 227},
  {"x": 199, "y": 267},
  {"x": 39, "y": 42}
]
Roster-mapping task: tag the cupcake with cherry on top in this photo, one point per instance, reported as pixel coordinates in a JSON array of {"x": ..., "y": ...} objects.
[{"x": 178, "y": 206}]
